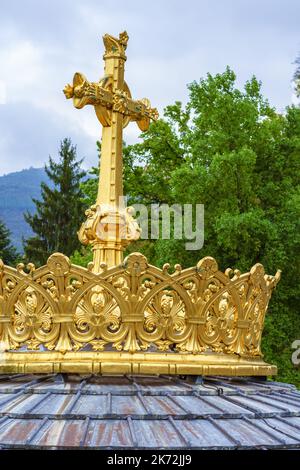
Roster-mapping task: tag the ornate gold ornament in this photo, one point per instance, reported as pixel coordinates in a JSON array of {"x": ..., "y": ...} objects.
[
  {"x": 133, "y": 318},
  {"x": 127, "y": 316}
]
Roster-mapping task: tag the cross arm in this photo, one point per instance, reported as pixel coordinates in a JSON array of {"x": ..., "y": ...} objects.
[
  {"x": 139, "y": 111},
  {"x": 84, "y": 92}
]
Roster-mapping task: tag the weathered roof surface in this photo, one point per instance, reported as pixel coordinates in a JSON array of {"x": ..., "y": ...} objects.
[{"x": 59, "y": 411}]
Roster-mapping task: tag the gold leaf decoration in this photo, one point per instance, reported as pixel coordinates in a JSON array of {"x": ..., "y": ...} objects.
[{"x": 134, "y": 307}]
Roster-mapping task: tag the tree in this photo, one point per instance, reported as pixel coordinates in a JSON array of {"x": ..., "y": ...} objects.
[
  {"x": 231, "y": 151},
  {"x": 8, "y": 253},
  {"x": 60, "y": 211}
]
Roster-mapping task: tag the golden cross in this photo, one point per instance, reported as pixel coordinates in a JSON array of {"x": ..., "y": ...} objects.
[{"x": 109, "y": 226}]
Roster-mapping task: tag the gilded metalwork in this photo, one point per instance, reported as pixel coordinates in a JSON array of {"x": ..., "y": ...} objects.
[
  {"x": 109, "y": 226},
  {"x": 193, "y": 318},
  {"x": 128, "y": 317}
]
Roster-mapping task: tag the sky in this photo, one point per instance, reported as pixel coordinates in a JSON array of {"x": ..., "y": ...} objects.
[{"x": 171, "y": 43}]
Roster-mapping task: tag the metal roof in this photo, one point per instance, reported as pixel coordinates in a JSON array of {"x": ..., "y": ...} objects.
[{"x": 147, "y": 412}]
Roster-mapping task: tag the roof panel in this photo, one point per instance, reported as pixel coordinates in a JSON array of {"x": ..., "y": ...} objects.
[
  {"x": 12, "y": 401},
  {"x": 55, "y": 404},
  {"x": 108, "y": 433},
  {"x": 18, "y": 431},
  {"x": 224, "y": 405},
  {"x": 127, "y": 405},
  {"x": 90, "y": 405},
  {"x": 162, "y": 405},
  {"x": 158, "y": 434},
  {"x": 202, "y": 433},
  {"x": 254, "y": 403}
]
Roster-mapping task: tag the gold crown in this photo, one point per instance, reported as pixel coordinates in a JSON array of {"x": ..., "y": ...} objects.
[{"x": 133, "y": 318}]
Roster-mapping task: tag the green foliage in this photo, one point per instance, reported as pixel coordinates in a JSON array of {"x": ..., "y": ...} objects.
[
  {"x": 229, "y": 150},
  {"x": 60, "y": 211},
  {"x": 82, "y": 256},
  {"x": 8, "y": 253}
]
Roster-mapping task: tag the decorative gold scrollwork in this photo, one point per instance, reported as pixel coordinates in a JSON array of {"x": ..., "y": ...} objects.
[{"x": 134, "y": 307}]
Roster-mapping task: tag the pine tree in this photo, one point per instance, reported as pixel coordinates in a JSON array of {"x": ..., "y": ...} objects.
[
  {"x": 8, "y": 253},
  {"x": 60, "y": 211}
]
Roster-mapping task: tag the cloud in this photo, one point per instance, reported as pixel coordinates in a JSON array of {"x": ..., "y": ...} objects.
[
  {"x": 30, "y": 141},
  {"x": 171, "y": 43},
  {"x": 22, "y": 59}
]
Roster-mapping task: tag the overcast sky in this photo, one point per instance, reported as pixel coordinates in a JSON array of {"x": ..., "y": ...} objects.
[{"x": 171, "y": 43}]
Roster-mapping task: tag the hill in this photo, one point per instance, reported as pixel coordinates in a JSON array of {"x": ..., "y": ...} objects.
[{"x": 16, "y": 192}]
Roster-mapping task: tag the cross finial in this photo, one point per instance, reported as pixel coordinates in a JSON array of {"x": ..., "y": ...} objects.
[{"x": 114, "y": 45}]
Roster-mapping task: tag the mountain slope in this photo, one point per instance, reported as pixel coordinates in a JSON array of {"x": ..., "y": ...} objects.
[{"x": 16, "y": 193}]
